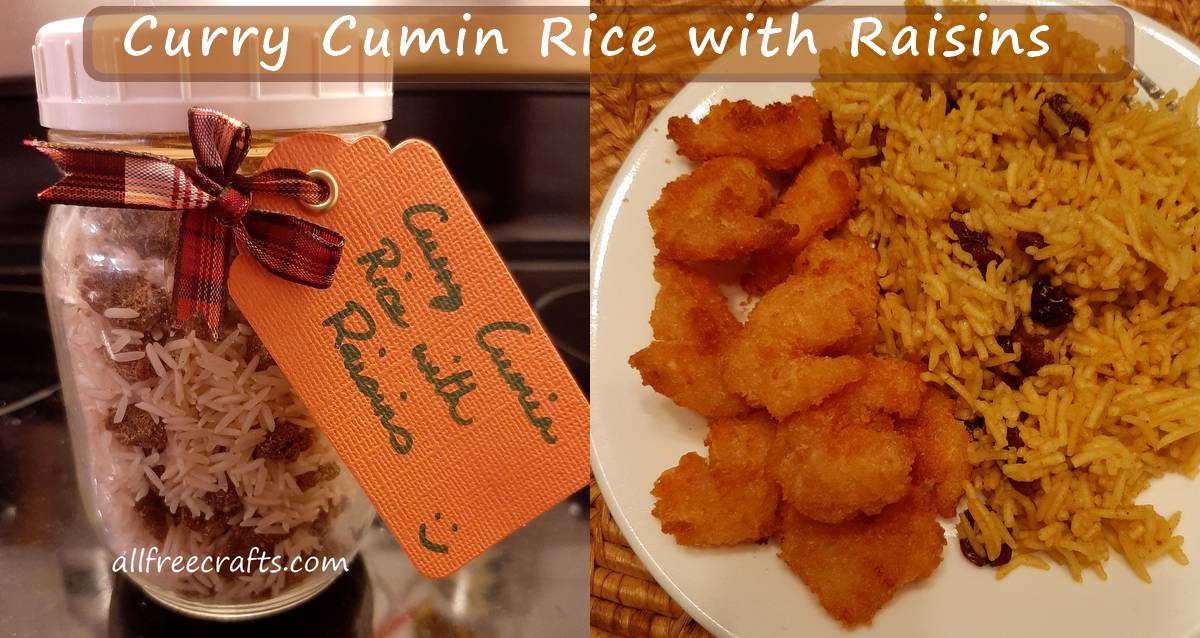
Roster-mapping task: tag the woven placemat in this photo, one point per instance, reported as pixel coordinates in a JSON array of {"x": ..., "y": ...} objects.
[{"x": 625, "y": 599}]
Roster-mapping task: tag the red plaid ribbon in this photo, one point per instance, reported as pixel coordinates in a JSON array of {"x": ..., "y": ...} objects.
[{"x": 216, "y": 202}]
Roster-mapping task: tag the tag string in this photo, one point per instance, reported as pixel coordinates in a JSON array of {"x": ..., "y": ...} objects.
[{"x": 217, "y": 205}]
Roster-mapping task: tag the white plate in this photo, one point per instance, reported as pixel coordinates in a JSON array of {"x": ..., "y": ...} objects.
[{"x": 748, "y": 592}]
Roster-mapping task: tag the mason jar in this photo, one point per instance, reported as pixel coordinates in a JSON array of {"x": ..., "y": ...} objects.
[{"x": 190, "y": 446}]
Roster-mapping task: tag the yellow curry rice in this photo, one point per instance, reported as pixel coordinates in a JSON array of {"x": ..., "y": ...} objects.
[{"x": 1061, "y": 455}]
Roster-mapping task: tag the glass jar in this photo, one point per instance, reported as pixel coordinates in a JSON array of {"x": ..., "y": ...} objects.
[{"x": 189, "y": 447}]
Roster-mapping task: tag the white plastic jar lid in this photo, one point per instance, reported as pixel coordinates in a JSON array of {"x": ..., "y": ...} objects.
[{"x": 70, "y": 99}]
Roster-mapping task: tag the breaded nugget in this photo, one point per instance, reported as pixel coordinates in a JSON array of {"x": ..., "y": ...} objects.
[
  {"x": 851, "y": 259},
  {"x": 777, "y": 136},
  {"x": 892, "y": 386},
  {"x": 703, "y": 507},
  {"x": 772, "y": 362},
  {"x": 854, "y": 262},
  {"x": 714, "y": 213},
  {"x": 809, "y": 313},
  {"x": 692, "y": 326},
  {"x": 863, "y": 343},
  {"x": 690, "y": 308},
  {"x": 740, "y": 444},
  {"x": 689, "y": 377},
  {"x": 855, "y": 567},
  {"x": 787, "y": 383},
  {"x": 832, "y": 465},
  {"x": 822, "y": 196},
  {"x": 767, "y": 269},
  {"x": 940, "y": 441}
]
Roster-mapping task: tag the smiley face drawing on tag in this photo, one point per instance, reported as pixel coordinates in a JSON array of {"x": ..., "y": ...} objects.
[{"x": 422, "y": 535}]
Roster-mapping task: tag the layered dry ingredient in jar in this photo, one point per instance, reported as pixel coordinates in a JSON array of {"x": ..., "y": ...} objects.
[{"x": 192, "y": 442}]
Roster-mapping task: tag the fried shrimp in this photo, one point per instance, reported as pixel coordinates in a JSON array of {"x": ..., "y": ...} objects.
[
  {"x": 849, "y": 259},
  {"x": 777, "y": 137},
  {"x": 846, "y": 458},
  {"x": 821, "y": 197},
  {"x": 689, "y": 377},
  {"x": 741, "y": 444},
  {"x": 825, "y": 308},
  {"x": 784, "y": 383},
  {"x": 846, "y": 455},
  {"x": 807, "y": 314},
  {"x": 729, "y": 500},
  {"x": 854, "y": 263},
  {"x": 856, "y": 567},
  {"x": 690, "y": 308},
  {"x": 832, "y": 465},
  {"x": 692, "y": 327},
  {"x": 714, "y": 213},
  {"x": 891, "y": 386},
  {"x": 702, "y": 506},
  {"x": 940, "y": 442}
]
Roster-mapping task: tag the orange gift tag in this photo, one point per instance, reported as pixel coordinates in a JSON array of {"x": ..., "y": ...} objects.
[{"x": 423, "y": 364}]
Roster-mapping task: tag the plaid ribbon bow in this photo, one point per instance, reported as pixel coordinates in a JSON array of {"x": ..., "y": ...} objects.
[{"x": 216, "y": 201}]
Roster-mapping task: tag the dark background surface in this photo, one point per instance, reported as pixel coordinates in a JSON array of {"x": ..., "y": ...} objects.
[{"x": 520, "y": 154}]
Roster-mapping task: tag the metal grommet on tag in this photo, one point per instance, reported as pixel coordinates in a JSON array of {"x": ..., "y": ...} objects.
[{"x": 327, "y": 177}]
